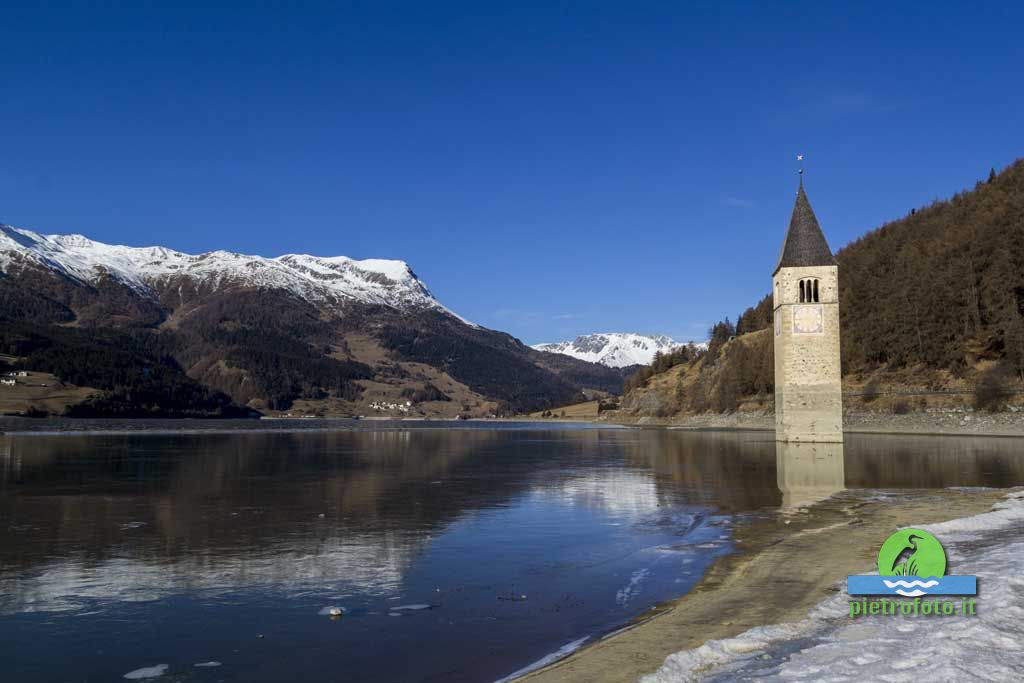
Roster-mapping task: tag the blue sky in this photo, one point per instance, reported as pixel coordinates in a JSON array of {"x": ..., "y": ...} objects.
[{"x": 547, "y": 168}]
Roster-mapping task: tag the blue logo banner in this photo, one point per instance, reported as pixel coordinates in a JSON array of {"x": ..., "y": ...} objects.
[{"x": 912, "y": 586}]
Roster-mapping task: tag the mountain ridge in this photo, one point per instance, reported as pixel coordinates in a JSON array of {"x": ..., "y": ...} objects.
[
  {"x": 320, "y": 335},
  {"x": 614, "y": 349},
  {"x": 370, "y": 281}
]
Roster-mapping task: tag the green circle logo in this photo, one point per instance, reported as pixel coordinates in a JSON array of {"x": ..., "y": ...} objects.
[{"x": 912, "y": 552}]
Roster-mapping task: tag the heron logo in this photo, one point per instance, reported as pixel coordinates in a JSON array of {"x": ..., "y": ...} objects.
[
  {"x": 912, "y": 552},
  {"x": 912, "y": 563}
]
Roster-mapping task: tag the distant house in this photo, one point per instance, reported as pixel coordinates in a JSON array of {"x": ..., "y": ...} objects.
[
  {"x": 22, "y": 373},
  {"x": 8, "y": 382},
  {"x": 385, "y": 405}
]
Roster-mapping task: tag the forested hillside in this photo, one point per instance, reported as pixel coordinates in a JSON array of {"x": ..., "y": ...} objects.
[
  {"x": 939, "y": 292},
  {"x": 239, "y": 350},
  {"x": 134, "y": 369}
]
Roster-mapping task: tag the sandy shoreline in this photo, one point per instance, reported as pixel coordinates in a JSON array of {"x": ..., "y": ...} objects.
[
  {"x": 21, "y": 426},
  {"x": 766, "y": 582},
  {"x": 938, "y": 423}
]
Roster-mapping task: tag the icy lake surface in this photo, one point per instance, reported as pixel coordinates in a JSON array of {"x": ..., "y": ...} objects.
[{"x": 390, "y": 552}]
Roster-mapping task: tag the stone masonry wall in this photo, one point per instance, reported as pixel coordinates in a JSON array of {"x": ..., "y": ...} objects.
[{"x": 808, "y": 386}]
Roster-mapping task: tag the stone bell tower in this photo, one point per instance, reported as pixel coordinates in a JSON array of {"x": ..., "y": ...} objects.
[{"x": 808, "y": 387}]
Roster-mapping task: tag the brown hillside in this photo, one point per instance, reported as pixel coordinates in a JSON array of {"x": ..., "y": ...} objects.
[{"x": 738, "y": 374}]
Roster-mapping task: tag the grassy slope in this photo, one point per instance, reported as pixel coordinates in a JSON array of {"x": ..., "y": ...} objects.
[{"x": 41, "y": 391}]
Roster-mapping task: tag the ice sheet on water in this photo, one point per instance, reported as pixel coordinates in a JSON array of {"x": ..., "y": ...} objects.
[
  {"x": 561, "y": 652},
  {"x": 415, "y": 607},
  {"x": 147, "y": 672},
  {"x": 330, "y": 610},
  {"x": 206, "y": 665},
  {"x": 828, "y": 644},
  {"x": 623, "y": 596}
]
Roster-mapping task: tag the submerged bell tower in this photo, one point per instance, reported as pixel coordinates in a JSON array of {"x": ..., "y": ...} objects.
[{"x": 805, "y": 288}]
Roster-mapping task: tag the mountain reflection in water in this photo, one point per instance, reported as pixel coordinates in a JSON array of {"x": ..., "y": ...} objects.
[{"x": 184, "y": 547}]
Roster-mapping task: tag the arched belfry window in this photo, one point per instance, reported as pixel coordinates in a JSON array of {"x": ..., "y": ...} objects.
[{"x": 809, "y": 291}]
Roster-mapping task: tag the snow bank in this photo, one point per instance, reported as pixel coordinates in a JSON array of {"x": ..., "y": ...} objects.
[{"x": 829, "y": 646}]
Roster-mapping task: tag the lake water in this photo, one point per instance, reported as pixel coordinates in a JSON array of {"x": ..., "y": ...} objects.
[{"x": 457, "y": 552}]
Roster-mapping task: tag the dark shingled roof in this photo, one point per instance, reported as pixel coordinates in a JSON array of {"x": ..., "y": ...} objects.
[{"x": 805, "y": 244}]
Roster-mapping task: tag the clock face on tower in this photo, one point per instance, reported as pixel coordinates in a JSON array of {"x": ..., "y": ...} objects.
[{"x": 808, "y": 320}]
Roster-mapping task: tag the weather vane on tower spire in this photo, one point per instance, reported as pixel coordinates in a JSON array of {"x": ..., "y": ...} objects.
[{"x": 800, "y": 158}]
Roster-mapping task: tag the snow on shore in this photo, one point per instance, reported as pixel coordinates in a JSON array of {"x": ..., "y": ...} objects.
[{"x": 830, "y": 646}]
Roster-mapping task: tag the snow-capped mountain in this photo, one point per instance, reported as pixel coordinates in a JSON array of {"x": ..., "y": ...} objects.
[
  {"x": 613, "y": 349},
  {"x": 146, "y": 270},
  {"x": 227, "y": 334}
]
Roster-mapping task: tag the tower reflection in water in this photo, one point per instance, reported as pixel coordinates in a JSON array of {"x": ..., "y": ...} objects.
[{"x": 808, "y": 472}]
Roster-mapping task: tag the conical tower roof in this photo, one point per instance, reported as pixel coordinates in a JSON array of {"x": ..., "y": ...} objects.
[{"x": 805, "y": 244}]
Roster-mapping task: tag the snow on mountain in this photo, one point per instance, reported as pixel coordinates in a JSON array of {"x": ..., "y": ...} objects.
[
  {"x": 614, "y": 349},
  {"x": 320, "y": 280}
]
